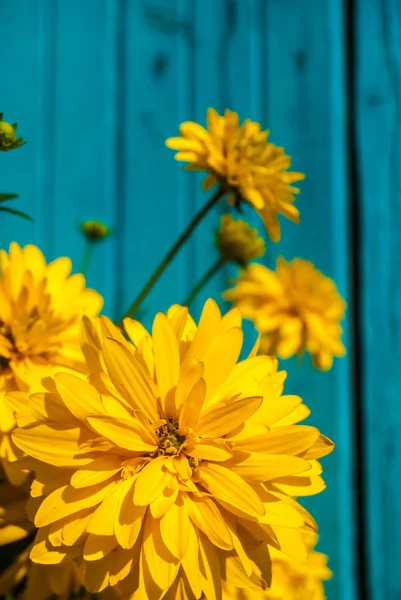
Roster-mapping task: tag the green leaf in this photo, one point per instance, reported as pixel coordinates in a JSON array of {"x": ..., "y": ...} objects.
[
  {"x": 5, "y": 197},
  {"x": 16, "y": 212}
]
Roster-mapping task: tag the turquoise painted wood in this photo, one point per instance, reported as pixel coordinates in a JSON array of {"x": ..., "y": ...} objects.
[
  {"x": 379, "y": 154},
  {"x": 97, "y": 87}
]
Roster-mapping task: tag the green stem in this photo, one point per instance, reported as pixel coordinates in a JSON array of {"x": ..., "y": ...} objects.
[
  {"x": 86, "y": 258},
  {"x": 203, "y": 281},
  {"x": 171, "y": 253}
]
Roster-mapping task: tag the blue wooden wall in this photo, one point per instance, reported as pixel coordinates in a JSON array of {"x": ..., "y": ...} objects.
[{"x": 98, "y": 85}]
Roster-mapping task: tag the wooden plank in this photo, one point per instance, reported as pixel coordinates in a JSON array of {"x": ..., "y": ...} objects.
[
  {"x": 87, "y": 127},
  {"x": 378, "y": 102},
  {"x": 22, "y": 75},
  {"x": 153, "y": 202},
  {"x": 306, "y": 112},
  {"x": 208, "y": 46}
]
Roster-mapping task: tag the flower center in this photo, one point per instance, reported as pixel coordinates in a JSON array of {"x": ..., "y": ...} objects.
[{"x": 170, "y": 440}]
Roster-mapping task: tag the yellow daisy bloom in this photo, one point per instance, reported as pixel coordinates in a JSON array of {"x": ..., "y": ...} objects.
[
  {"x": 244, "y": 163},
  {"x": 237, "y": 241},
  {"x": 296, "y": 307},
  {"x": 291, "y": 579},
  {"x": 41, "y": 307},
  {"x": 170, "y": 467}
]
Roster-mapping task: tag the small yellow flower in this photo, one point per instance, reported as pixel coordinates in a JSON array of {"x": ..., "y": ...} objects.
[
  {"x": 242, "y": 160},
  {"x": 291, "y": 579},
  {"x": 163, "y": 466},
  {"x": 237, "y": 241},
  {"x": 297, "y": 309},
  {"x": 8, "y": 139},
  {"x": 41, "y": 307},
  {"x": 95, "y": 230}
]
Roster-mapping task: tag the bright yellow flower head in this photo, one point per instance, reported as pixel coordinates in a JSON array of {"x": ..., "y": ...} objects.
[
  {"x": 41, "y": 307},
  {"x": 297, "y": 308},
  {"x": 237, "y": 241},
  {"x": 171, "y": 466},
  {"x": 242, "y": 160},
  {"x": 291, "y": 579},
  {"x": 8, "y": 139}
]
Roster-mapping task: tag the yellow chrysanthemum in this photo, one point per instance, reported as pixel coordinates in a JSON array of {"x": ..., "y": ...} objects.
[
  {"x": 297, "y": 308},
  {"x": 237, "y": 241},
  {"x": 170, "y": 467},
  {"x": 242, "y": 160},
  {"x": 41, "y": 306},
  {"x": 291, "y": 579}
]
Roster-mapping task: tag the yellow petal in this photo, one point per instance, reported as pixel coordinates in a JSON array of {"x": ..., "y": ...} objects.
[
  {"x": 207, "y": 517},
  {"x": 259, "y": 468},
  {"x": 290, "y": 440},
  {"x": 54, "y": 445},
  {"x": 220, "y": 359},
  {"x": 215, "y": 450},
  {"x": 98, "y": 546},
  {"x": 163, "y": 566},
  {"x": 167, "y": 358},
  {"x": 210, "y": 569},
  {"x": 190, "y": 562},
  {"x": 217, "y": 422},
  {"x": 67, "y": 501},
  {"x": 229, "y": 487},
  {"x": 209, "y": 327},
  {"x": 130, "y": 378},
  {"x": 174, "y": 528},
  {"x": 291, "y": 542},
  {"x": 102, "y": 520},
  {"x": 151, "y": 481},
  {"x": 99, "y": 470},
  {"x": 320, "y": 448},
  {"x": 192, "y": 405},
  {"x": 189, "y": 376},
  {"x": 43, "y": 552},
  {"x": 81, "y": 398},
  {"x": 163, "y": 502},
  {"x": 128, "y": 516},
  {"x": 128, "y": 434}
]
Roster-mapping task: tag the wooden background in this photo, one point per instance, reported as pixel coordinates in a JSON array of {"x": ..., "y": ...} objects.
[{"x": 98, "y": 85}]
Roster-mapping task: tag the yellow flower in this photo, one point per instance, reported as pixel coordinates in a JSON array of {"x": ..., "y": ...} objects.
[
  {"x": 95, "y": 230},
  {"x": 297, "y": 308},
  {"x": 8, "y": 139},
  {"x": 237, "y": 241},
  {"x": 291, "y": 579},
  {"x": 170, "y": 466},
  {"x": 242, "y": 160},
  {"x": 40, "y": 311}
]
